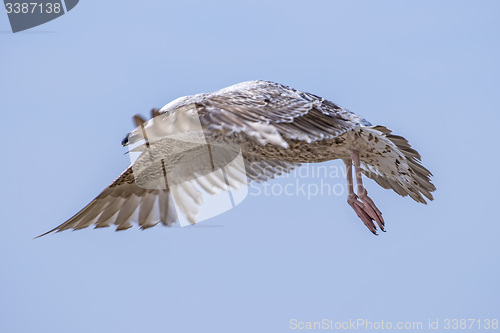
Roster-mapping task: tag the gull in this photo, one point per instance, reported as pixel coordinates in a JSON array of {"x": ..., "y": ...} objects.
[{"x": 274, "y": 128}]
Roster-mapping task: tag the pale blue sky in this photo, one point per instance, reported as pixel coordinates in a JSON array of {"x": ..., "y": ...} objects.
[{"x": 428, "y": 70}]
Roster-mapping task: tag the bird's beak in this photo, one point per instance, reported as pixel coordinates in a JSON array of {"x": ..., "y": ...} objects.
[{"x": 125, "y": 141}]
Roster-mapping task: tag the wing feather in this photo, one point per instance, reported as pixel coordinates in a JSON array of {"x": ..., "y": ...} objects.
[
  {"x": 291, "y": 113},
  {"x": 120, "y": 201}
]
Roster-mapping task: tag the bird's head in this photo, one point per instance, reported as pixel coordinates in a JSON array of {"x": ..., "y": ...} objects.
[{"x": 137, "y": 134}]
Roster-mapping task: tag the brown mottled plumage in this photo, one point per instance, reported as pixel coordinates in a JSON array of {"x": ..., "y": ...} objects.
[{"x": 276, "y": 128}]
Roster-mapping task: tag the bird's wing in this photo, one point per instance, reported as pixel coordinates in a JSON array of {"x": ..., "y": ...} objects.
[
  {"x": 125, "y": 202},
  {"x": 145, "y": 195},
  {"x": 118, "y": 203},
  {"x": 268, "y": 112}
]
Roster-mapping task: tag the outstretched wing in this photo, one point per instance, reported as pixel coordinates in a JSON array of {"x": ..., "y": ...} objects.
[
  {"x": 269, "y": 112},
  {"x": 124, "y": 202},
  {"x": 117, "y": 204}
]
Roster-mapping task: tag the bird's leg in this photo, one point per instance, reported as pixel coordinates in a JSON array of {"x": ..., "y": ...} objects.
[
  {"x": 368, "y": 206},
  {"x": 352, "y": 200}
]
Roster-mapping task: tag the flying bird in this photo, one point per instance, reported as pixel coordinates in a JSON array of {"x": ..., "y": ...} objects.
[{"x": 273, "y": 128}]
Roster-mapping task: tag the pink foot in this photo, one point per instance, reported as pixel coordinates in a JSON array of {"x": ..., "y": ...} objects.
[
  {"x": 363, "y": 206},
  {"x": 366, "y": 211}
]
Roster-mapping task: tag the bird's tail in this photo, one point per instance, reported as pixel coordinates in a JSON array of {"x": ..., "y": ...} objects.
[{"x": 394, "y": 164}]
